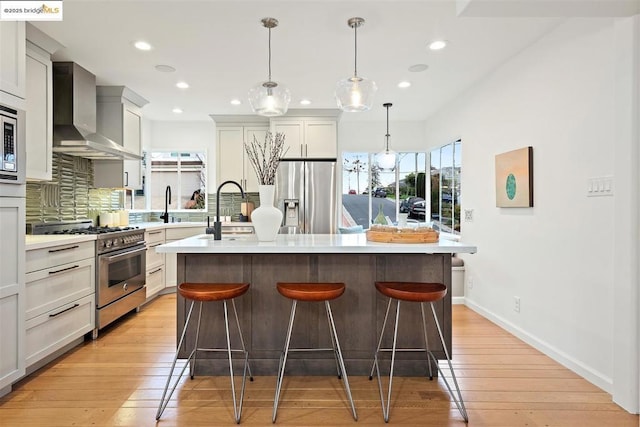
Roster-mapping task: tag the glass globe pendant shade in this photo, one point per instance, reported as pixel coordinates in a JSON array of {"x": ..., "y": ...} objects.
[
  {"x": 386, "y": 160},
  {"x": 269, "y": 99},
  {"x": 355, "y": 94}
]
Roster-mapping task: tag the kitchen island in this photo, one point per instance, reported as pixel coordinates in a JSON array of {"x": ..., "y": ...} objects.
[{"x": 358, "y": 314}]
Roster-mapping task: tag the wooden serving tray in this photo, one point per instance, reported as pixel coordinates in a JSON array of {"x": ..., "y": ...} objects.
[{"x": 403, "y": 235}]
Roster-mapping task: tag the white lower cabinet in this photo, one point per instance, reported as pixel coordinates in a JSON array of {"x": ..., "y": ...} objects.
[
  {"x": 60, "y": 297},
  {"x": 51, "y": 331},
  {"x": 155, "y": 278},
  {"x": 12, "y": 218}
]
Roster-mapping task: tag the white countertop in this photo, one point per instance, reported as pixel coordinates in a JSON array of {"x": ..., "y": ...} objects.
[
  {"x": 182, "y": 224},
  {"x": 48, "y": 240},
  {"x": 308, "y": 243}
]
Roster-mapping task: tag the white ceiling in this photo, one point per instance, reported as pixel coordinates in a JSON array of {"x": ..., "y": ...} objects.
[{"x": 220, "y": 49}]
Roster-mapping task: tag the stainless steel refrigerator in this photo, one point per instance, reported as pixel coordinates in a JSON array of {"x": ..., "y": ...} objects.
[{"x": 306, "y": 195}]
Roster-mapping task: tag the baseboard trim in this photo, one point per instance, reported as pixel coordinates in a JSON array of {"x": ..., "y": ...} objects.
[
  {"x": 457, "y": 300},
  {"x": 594, "y": 377}
]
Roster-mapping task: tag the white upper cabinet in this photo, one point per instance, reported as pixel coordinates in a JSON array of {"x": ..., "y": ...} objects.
[
  {"x": 119, "y": 118},
  {"x": 39, "y": 102},
  {"x": 232, "y": 160},
  {"x": 12, "y": 58},
  {"x": 308, "y": 136}
]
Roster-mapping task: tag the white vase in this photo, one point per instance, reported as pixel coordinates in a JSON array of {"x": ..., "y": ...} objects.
[{"x": 266, "y": 218}]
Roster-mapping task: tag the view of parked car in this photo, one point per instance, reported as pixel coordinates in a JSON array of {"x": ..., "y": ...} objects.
[
  {"x": 380, "y": 192},
  {"x": 417, "y": 210},
  {"x": 352, "y": 191},
  {"x": 406, "y": 204}
]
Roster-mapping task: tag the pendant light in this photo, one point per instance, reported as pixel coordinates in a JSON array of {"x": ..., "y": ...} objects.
[
  {"x": 386, "y": 159},
  {"x": 355, "y": 93},
  {"x": 269, "y": 98}
]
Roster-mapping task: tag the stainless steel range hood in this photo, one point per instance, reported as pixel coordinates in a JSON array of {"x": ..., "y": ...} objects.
[{"x": 74, "y": 116}]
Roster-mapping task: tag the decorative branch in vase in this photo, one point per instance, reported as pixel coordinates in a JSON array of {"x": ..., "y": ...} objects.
[{"x": 265, "y": 158}]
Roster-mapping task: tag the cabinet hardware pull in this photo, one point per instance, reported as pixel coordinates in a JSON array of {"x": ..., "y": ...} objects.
[
  {"x": 154, "y": 232},
  {"x": 66, "y": 309},
  {"x": 155, "y": 271},
  {"x": 63, "y": 249},
  {"x": 64, "y": 269},
  {"x": 126, "y": 179}
]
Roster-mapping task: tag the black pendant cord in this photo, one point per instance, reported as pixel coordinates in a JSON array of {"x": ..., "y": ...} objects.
[{"x": 387, "y": 105}]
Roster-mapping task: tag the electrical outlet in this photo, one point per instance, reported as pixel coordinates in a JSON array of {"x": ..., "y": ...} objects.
[
  {"x": 468, "y": 215},
  {"x": 470, "y": 282},
  {"x": 516, "y": 304}
]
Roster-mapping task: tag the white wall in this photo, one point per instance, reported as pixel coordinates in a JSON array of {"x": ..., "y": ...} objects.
[
  {"x": 189, "y": 136},
  {"x": 369, "y": 136},
  {"x": 558, "y": 257}
]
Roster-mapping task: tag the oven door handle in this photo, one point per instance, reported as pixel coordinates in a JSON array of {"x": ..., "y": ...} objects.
[{"x": 126, "y": 254}]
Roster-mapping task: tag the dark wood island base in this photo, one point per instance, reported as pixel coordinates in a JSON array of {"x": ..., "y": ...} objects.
[{"x": 358, "y": 314}]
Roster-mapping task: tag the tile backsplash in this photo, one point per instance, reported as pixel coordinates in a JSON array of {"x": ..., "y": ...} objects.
[{"x": 70, "y": 196}]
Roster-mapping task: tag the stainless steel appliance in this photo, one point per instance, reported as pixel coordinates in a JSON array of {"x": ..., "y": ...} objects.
[
  {"x": 74, "y": 116},
  {"x": 120, "y": 266},
  {"x": 12, "y": 148},
  {"x": 306, "y": 195}
]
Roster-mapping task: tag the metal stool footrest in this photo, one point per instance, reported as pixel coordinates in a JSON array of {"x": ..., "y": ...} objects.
[
  {"x": 457, "y": 397},
  {"x": 191, "y": 361},
  {"x": 342, "y": 373}
]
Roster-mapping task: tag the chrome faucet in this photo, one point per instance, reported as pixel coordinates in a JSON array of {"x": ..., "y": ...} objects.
[
  {"x": 167, "y": 200},
  {"x": 217, "y": 225}
]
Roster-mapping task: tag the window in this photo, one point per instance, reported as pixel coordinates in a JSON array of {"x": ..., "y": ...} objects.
[
  {"x": 445, "y": 187},
  {"x": 184, "y": 172},
  {"x": 368, "y": 191}
]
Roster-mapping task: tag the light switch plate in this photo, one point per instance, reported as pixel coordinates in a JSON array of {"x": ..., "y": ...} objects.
[{"x": 600, "y": 186}]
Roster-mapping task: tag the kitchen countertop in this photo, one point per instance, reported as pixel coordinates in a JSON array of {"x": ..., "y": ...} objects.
[
  {"x": 48, "y": 240},
  {"x": 308, "y": 243},
  {"x": 157, "y": 224}
]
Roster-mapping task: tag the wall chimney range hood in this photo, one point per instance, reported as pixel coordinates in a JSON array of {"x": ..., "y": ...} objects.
[{"x": 74, "y": 116}]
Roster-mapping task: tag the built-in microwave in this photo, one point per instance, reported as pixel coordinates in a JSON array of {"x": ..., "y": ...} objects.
[{"x": 11, "y": 164}]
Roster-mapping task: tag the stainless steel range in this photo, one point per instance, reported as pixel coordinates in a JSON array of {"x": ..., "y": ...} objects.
[{"x": 120, "y": 266}]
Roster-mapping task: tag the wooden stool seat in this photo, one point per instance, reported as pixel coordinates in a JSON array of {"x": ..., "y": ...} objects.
[
  {"x": 412, "y": 291},
  {"x": 212, "y": 291},
  {"x": 311, "y": 291}
]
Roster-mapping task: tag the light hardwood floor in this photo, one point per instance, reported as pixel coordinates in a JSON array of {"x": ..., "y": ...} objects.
[{"x": 117, "y": 380}]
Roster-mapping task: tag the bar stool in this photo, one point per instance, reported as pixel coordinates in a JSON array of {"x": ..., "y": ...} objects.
[
  {"x": 206, "y": 292},
  {"x": 422, "y": 293},
  {"x": 312, "y": 292}
]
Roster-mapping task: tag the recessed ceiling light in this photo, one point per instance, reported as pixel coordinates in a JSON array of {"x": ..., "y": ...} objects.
[
  {"x": 437, "y": 44},
  {"x": 404, "y": 84},
  {"x": 142, "y": 45},
  {"x": 236, "y": 102},
  {"x": 305, "y": 102},
  {"x": 177, "y": 110},
  {"x": 418, "y": 68},
  {"x": 165, "y": 68},
  {"x": 182, "y": 85}
]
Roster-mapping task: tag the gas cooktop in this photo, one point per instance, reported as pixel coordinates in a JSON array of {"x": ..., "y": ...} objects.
[{"x": 73, "y": 227}]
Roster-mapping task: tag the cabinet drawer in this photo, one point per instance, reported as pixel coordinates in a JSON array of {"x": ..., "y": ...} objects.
[
  {"x": 154, "y": 259},
  {"x": 39, "y": 259},
  {"x": 155, "y": 280},
  {"x": 178, "y": 233},
  {"x": 154, "y": 236},
  {"x": 54, "y": 287},
  {"x": 52, "y": 331}
]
